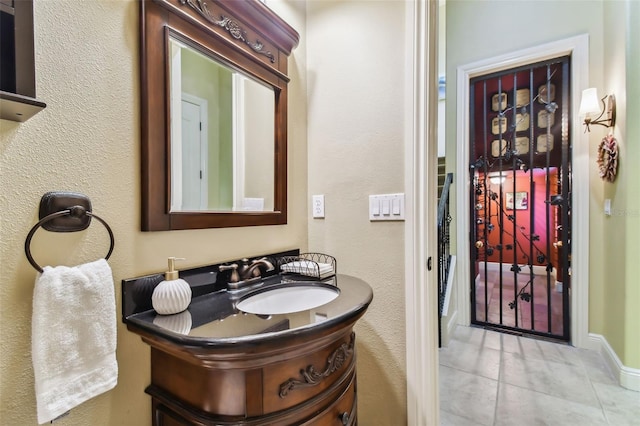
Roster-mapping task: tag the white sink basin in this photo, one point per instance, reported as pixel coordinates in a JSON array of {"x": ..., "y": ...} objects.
[{"x": 288, "y": 299}]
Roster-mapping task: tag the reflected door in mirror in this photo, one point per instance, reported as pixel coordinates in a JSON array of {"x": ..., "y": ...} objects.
[{"x": 222, "y": 136}]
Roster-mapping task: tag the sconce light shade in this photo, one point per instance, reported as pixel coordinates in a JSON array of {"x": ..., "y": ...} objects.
[{"x": 590, "y": 103}]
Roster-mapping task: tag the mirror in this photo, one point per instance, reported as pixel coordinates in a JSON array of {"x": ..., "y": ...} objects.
[
  {"x": 214, "y": 114},
  {"x": 222, "y": 135}
]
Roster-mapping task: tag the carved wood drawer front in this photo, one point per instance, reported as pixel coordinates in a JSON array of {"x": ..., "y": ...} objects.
[
  {"x": 343, "y": 412},
  {"x": 297, "y": 380}
]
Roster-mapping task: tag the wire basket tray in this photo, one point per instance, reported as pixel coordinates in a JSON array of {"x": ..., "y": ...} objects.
[{"x": 315, "y": 265}]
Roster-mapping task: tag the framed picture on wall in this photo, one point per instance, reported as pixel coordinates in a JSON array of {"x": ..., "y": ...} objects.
[{"x": 517, "y": 200}]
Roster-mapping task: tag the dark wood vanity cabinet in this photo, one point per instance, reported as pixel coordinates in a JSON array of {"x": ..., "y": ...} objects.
[
  {"x": 228, "y": 367},
  {"x": 307, "y": 379}
]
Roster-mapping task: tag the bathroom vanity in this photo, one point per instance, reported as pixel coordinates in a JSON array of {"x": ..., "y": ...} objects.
[
  {"x": 214, "y": 364},
  {"x": 214, "y": 79}
]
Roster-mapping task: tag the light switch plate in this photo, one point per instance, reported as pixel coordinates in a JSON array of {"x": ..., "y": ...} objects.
[
  {"x": 386, "y": 207},
  {"x": 317, "y": 206},
  {"x": 607, "y": 207}
]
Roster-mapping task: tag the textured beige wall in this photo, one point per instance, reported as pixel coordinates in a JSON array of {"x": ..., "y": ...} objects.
[
  {"x": 87, "y": 140},
  {"x": 355, "y": 133}
]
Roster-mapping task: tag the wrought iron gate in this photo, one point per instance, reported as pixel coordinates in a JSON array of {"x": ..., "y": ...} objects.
[{"x": 520, "y": 169}]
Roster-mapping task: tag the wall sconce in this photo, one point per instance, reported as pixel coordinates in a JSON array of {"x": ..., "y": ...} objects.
[{"x": 590, "y": 104}]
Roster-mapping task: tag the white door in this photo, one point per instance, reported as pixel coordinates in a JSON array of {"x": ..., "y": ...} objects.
[{"x": 194, "y": 157}]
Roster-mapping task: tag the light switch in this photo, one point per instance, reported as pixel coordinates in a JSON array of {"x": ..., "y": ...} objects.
[
  {"x": 374, "y": 205},
  {"x": 395, "y": 202},
  {"x": 386, "y": 207},
  {"x": 607, "y": 207}
]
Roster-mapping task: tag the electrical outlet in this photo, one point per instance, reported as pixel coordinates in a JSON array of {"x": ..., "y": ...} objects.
[{"x": 317, "y": 206}]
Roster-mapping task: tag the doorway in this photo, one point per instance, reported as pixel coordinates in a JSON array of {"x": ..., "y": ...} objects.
[
  {"x": 520, "y": 198},
  {"x": 577, "y": 49}
]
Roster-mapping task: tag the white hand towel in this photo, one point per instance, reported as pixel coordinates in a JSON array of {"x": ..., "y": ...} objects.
[{"x": 73, "y": 339}]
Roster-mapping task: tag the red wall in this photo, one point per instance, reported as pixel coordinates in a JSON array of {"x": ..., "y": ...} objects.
[{"x": 533, "y": 183}]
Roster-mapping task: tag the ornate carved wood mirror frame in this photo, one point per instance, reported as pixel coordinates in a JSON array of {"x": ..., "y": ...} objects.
[{"x": 244, "y": 35}]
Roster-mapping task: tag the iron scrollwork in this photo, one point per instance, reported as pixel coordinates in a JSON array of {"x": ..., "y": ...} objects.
[
  {"x": 230, "y": 25},
  {"x": 310, "y": 377}
]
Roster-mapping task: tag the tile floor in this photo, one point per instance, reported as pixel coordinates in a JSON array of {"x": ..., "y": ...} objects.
[
  {"x": 492, "y": 378},
  {"x": 537, "y": 287}
]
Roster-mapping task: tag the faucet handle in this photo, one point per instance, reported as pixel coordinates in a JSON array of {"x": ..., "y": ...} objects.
[
  {"x": 244, "y": 265},
  {"x": 235, "y": 277},
  {"x": 223, "y": 268}
]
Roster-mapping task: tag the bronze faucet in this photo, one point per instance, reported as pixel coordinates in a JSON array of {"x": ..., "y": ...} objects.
[{"x": 245, "y": 273}]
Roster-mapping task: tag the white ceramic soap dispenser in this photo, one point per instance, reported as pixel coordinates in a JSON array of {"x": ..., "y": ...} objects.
[{"x": 172, "y": 295}]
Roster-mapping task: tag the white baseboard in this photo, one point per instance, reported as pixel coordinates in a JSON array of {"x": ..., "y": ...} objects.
[
  {"x": 628, "y": 377},
  {"x": 452, "y": 323},
  {"x": 448, "y": 326},
  {"x": 447, "y": 295},
  {"x": 449, "y": 318}
]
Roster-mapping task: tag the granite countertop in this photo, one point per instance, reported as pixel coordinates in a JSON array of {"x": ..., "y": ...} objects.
[{"x": 212, "y": 319}]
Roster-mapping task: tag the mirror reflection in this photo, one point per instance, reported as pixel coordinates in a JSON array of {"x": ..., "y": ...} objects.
[{"x": 222, "y": 136}]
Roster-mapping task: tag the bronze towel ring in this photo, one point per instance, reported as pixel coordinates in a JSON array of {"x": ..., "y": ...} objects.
[{"x": 76, "y": 212}]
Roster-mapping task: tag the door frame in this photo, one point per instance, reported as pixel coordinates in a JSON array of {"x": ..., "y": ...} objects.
[
  {"x": 420, "y": 232},
  {"x": 578, "y": 48},
  {"x": 239, "y": 140}
]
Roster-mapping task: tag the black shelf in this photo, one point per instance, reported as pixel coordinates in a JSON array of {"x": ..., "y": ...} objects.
[{"x": 20, "y": 108}]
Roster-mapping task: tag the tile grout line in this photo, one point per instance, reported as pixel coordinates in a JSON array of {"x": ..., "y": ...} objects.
[
  {"x": 495, "y": 408},
  {"x": 468, "y": 372},
  {"x": 595, "y": 392}
]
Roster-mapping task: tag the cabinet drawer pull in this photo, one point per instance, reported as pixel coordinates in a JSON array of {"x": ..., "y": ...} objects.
[{"x": 344, "y": 417}]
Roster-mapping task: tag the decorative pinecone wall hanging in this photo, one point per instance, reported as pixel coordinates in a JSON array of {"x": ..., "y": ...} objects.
[{"x": 608, "y": 158}]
